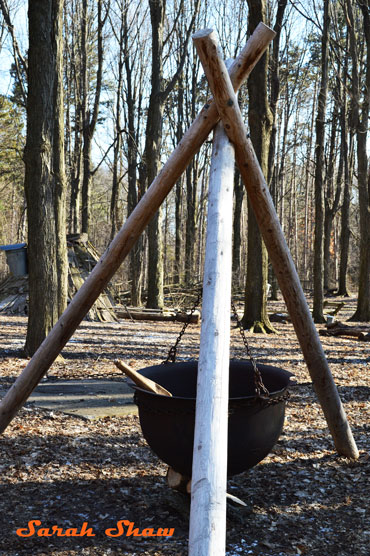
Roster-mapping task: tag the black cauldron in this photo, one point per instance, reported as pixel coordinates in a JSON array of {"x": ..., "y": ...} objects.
[{"x": 168, "y": 422}]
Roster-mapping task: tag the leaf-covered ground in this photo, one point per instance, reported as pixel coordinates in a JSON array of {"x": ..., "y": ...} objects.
[{"x": 61, "y": 470}]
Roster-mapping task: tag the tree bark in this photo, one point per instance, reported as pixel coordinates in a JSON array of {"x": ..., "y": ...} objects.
[
  {"x": 152, "y": 153},
  {"x": 190, "y": 225},
  {"x": 178, "y": 191},
  {"x": 45, "y": 175},
  {"x": 260, "y": 122},
  {"x": 73, "y": 100}
]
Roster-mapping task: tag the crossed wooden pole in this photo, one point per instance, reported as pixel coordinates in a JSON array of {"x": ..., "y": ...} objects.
[{"x": 223, "y": 85}]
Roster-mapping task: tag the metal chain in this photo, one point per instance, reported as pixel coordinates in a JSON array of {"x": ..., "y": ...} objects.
[
  {"x": 260, "y": 388},
  {"x": 261, "y": 391},
  {"x": 172, "y": 354}
]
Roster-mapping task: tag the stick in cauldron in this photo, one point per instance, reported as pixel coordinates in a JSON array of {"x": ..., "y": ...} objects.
[{"x": 140, "y": 380}]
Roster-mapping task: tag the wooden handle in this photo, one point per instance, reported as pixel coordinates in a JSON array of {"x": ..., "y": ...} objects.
[{"x": 140, "y": 380}]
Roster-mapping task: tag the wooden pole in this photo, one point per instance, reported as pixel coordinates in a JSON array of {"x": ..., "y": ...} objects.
[
  {"x": 259, "y": 196},
  {"x": 209, "y": 474},
  {"x": 140, "y": 380},
  {"x": 128, "y": 235}
]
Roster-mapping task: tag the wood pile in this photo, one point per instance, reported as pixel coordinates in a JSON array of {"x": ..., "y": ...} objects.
[
  {"x": 14, "y": 295},
  {"x": 82, "y": 257}
]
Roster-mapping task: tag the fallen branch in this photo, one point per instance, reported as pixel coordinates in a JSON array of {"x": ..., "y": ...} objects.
[
  {"x": 153, "y": 314},
  {"x": 340, "y": 329}
]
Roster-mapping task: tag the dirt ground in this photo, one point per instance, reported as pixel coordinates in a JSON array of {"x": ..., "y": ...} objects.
[{"x": 66, "y": 471}]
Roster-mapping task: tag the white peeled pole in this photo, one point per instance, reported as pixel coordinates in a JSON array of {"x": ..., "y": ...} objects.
[
  {"x": 128, "y": 234},
  {"x": 207, "y": 535},
  {"x": 281, "y": 259}
]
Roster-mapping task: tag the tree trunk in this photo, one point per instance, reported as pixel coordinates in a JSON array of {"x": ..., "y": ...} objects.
[
  {"x": 178, "y": 191},
  {"x": 237, "y": 240},
  {"x": 133, "y": 111},
  {"x": 274, "y": 97},
  {"x": 152, "y": 154},
  {"x": 159, "y": 93},
  {"x": 307, "y": 181},
  {"x": 260, "y": 121},
  {"x": 190, "y": 233},
  {"x": 275, "y": 86},
  {"x": 114, "y": 204},
  {"x": 191, "y": 180},
  {"x": 361, "y": 122},
  {"x": 318, "y": 293},
  {"x": 73, "y": 96},
  {"x": 345, "y": 209},
  {"x": 332, "y": 197},
  {"x": 90, "y": 118},
  {"x": 44, "y": 174}
]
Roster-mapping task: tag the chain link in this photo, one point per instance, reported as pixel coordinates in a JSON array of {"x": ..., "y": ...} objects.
[
  {"x": 261, "y": 391},
  {"x": 172, "y": 354},
  {"x": 260, "y": 388}
]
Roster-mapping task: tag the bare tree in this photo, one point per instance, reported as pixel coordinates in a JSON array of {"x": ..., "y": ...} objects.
[
  {"x": 134, "y": 65},
  {"x": 160, "y": 89},
  {"x": 274, "y": 97},
  {"x": 332, "y": 193},
  {"x": 360, "y": 122},
  {"x": 318, "y": 297},
  {"x": 260, "y": 122},
  {"x": 90, "y": 116},
  {"x": 45, "y": 179}
]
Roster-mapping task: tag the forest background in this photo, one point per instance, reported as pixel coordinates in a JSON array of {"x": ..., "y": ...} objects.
[{"x": 132, "y": 85}]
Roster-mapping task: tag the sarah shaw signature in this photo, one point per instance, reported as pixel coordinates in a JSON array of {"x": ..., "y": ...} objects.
[{"x": 34, "y": 528}]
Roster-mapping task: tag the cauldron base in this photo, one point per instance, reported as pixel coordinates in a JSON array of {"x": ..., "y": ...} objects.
[{"x": 167, "y": 423}]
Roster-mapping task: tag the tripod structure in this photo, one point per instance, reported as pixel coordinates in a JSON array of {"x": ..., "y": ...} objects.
[{"x": 208, "y": 509}]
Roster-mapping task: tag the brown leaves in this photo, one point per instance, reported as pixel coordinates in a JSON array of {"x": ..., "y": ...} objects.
[{"x": 301, "y": 499}]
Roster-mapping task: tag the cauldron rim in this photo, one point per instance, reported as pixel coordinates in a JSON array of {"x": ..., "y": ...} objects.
[{"x": 262, "y": 366}]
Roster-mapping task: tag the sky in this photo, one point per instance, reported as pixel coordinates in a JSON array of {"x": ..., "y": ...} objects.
[{"x": 19, "y": 19}]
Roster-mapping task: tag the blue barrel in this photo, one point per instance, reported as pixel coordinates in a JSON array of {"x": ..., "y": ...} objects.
[{"x": 16, "y": 257}]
